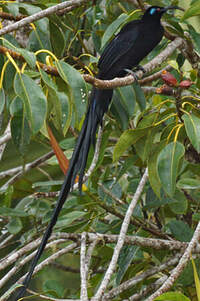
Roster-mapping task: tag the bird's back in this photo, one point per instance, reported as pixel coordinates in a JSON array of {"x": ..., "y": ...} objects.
[{"x": 135, "y": 41}]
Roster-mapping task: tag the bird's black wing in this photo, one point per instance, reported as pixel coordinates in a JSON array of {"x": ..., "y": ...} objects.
[{"x": 119, "y": 46}]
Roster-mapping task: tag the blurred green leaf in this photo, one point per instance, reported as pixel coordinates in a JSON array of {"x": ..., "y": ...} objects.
[
  {"x": 20, "y": 130},
  {"x": 172, "y": 296},
  {"x": 69, "y": 218},
  {"x": 194, "y": 10},
  {"x": 127, "y": 255},
  {"x": 2, "y": 102},
  {"x": 112, "y": 28},
  {"x": 57, "y": 39},
  {"x": 196, "y": 278},
  {"x": 188, "y": 183},
  {"x": 167, "y": 165},
  {"x": 192, "y": 126},
  {"x": 29, "y": 57},
  {"x": 34, "y": 100},
  {"x": 53, "y": 288},
  {"x": 128, "y": 138},
  {"x": 75, "y": 82},
  {"x": 12, "y": 212},
  {"x": 180, "y": 230},
  {"x": 140, "y": 97},
  {"x": 14, "y": 226}
]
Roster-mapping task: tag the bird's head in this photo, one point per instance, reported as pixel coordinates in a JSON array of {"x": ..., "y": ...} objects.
[{"x": 156, "y": 12}]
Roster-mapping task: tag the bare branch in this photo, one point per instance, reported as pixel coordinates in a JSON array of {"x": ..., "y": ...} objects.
[
  {"x": 138, "y": 278},
  {"x": 145, "y": 291},
  {"x": 44, "y": 13},
  {"x": 49, "y": 298},
  {"x": 20, "y": 170},
  {"x": 116, "y": 82},
  {"x": 179, "y": 268},
  {"x": 5, "y": 138},
  {"x": 154, "y": 76},
  {"x": 22, "y": 263},
  {"x": 121, "y": 238},
  {"x": 89, "y": 255},
  {"x": 83, "y": 269}
]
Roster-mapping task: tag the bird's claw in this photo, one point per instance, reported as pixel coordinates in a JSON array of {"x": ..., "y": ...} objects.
[
  {"x": 140, "y": 68},
  {"x": 131, "y": 72}
]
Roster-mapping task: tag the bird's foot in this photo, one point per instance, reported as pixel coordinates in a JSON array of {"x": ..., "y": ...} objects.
[
  {"x": 139, "y": 68},
  {"x": 135, "y": 69},
  {"x": 131, "y": 72}
]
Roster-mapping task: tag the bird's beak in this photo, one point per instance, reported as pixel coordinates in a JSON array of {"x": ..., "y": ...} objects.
[{"x": 164, "y": 9}]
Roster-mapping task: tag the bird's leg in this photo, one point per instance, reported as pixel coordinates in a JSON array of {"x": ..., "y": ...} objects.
[
  {"x": 132, "y": 72},
  {"x": 139, "y": 68}
]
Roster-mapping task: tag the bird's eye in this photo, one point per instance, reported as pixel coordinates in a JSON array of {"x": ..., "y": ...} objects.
[{"x": 153, "y": 10}]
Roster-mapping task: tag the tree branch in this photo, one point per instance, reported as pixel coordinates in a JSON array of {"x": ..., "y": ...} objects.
[
  {"x": 121, "y": 239},
  {"x": 83, "y": 269},
  {"x": 20, "y": 170},
  {"x": 179, "y": 268},
  {"x": 44, "y": 13}
]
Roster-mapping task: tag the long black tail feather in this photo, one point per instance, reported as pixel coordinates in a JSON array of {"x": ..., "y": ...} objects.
[{"x": 99, "y": 103}]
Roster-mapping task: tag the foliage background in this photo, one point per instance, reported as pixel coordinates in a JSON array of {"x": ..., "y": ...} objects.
[{"x": 141, "y": 129}]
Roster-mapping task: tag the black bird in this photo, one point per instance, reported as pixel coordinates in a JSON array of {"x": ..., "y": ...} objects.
[{"x": 135, "y": 40}]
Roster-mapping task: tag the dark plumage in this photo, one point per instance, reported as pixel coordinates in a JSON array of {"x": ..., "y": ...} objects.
[{"x": 135, "y": 40}]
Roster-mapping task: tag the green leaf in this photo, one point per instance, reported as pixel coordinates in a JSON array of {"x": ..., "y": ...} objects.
[
  {"x": 128, "y": 138},
  {"x": 180, "y": 230},
  {"x": 77, "y": 86},
  {"x": 112, "y": 28},
  {"x": 69, "y": 218},
  {"x": 152, "y": 167},
  {"x": 29, "y": 57},
  {"x": 195, "y": 36},
  {"x": 10, "y": 290},
  {"x": 54, "y": 104},
  {"x": 127, "y": 254},
  {"x": 15, "y": 225},
  {"x": 196, "y": 279},
  {"x": 144, "y": 145},
  {"x": 20, "y": 130},
  {"x": 194, "y": 10},
  {"x": 188, "y": 183},
  {"x": 34, "y": 100},
  {"x": 192, "y": 126},
  {"x": 8, "y": 212},
  {"x": 167, "y": 165},
  {"x": 54, "y": 288},
  {"x": 2, "y": 100},
  {"x": 179, "y": 203},
  {"x": 57, "y": 39},
  {"x": 123, "y": 105},
  {"x": 140, "y": 97},
  {"x": 172, "y": 296}
]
